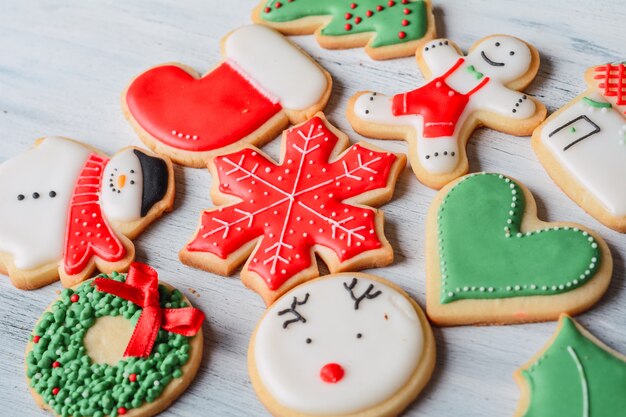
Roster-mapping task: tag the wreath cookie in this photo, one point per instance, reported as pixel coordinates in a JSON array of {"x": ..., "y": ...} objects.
[
  {"x": 583, "y": 146},
  {"x": 387, "y": 29},
  {"x": 280, "y": 215},
  {"x": 68, "y": 209},
  {"x": 346, "y": 344},
  {"x": 117, "y": 345},
  {"x": 490, "y": 260},
  {"x": 463, "y": 92},
  {"x": 574, "y": 375},
  {"x": 263, "y": 84}
]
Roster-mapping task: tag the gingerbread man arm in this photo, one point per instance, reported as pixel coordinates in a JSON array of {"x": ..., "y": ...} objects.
[
  {"x": 505, "y": 102},
  {"x": 438, "y": 56}
]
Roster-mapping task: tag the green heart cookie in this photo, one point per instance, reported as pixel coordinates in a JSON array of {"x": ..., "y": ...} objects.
[{"x": 484, "y": 255}]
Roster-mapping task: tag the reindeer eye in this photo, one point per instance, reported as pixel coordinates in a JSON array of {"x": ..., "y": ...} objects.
[
  {"x": 359, "y": 335},
  {"x": 308, "y": 341}
]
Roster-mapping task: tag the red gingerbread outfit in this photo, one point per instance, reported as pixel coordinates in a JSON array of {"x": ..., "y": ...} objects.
[{"x": 439, "y": 104}]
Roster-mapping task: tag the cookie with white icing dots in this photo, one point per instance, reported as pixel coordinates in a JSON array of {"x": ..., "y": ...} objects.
[
  {"x": 490, "y": 260},
  {"x": 462, "y": 94},
  {"x": 583, "y": 146},
  {"x": 68, "y": 209},
  {"x": 387, "y": 29},
  {"x": 279, "y": 215},
  {"x": 346, "y": 344},
  {"x": 118, "y": 345},
  {"x": 263, "y": 84},
  {"x": 574, "y": 375}
]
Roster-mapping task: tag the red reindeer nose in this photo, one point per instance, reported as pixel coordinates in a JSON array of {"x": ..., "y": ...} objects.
[{"x": 332, "y": 373}]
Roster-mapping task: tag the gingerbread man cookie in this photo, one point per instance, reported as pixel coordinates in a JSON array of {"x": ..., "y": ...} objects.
[
  {"x": 583, "y": 146},
  {"x": 490, "y": 260},
  {"x": 119, "y": 345},
  {"x": 264, "y": 83},
  {"x": 462, "y": 93},
  {"x": 68, "y": 209},
  {"x": 387, "y": 29},
  {"x": 574, "y": 375},
  {"x": 353, "y": 345},
  {"x": 279, "y": 215}
]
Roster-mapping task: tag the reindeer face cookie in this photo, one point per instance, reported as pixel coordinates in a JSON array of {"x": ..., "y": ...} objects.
[
  {"x": 264, "y": 83},
  {"x": 583, "y": 146},
  {"x": 346, "y": 344},
  {"x": 68, "y": 209},
  {"x": 462, "y": 93}
]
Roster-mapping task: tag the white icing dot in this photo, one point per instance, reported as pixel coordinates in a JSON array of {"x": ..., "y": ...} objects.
[{"x": 268, "y": 169}]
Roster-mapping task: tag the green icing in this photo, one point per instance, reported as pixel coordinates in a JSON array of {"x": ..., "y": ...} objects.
[
  {"x": 484, "y": 255},
  {"x": 596, "y": 104},
  {"x": 576, "y": 378},
  {"x": 90, "y": 389},
  {"x": 477, "y": 74},
  {"x": 386, "y": 23}
]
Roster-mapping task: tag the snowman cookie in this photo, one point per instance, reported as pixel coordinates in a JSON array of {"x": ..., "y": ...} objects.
[
  {"x": 387, "y": 29},
  {"x": 575, "y": 374},
  {"x": 118, "y": 345},
  {"x": 462, "y": 93},
  {"x": 583, "y": 146},
  {"x": 490, "y": 260},
  {"x": 344, "y": 344},
  {"x": 279, "y": 216},
  {"x": 264, "y": 83},
  {"x": 69, "y": 209}
]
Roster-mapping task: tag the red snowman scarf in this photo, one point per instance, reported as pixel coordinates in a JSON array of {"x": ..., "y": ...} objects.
[{"x": 88, "y": 233}]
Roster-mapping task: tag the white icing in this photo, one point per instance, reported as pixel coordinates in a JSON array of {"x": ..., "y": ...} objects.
[
  {"x": 122, "y": 202},
  {"x": 597, "y": 162},
  {"x": 33, "y": 230},
  {"x": 376, "y": 365},
  {"x": 493, "y": 96},
  {"x": 276, "y": 66}
]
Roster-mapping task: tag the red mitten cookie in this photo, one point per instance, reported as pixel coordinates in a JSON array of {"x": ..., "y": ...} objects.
[{"x": 264, "y": 83}]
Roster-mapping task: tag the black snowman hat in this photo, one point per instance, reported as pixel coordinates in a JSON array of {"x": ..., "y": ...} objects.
[{"x": 155, "y": 180}]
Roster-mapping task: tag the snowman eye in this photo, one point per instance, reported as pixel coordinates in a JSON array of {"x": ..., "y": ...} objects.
[
  {"x": 20, "y": 197},
  {"x": 512, "y": 53},
  {"x": 132, "y": 182},
  {"x": 359, "y": 335},
  {"x": 132, "y": 171},
  {"x": 497, "y": 43},
  {"x": 308, "y": 340}
]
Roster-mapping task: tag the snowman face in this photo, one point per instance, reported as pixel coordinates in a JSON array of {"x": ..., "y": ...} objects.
[
  {"x": 338, "y": 345},
  {"x": 501, "y": 58},
  {"x": 122, "y": 187}
]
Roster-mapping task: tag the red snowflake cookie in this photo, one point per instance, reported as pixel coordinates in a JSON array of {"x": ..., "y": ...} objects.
[{"x": 279, "y": 215}]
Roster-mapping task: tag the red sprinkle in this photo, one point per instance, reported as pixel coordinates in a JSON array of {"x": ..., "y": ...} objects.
[
  {"x": 74, "y": 298},
  {"x": 267, "y": 10},
  {"x": 132, "y": 377},
  {"x": 55, "y": 391},
  {"x": 405, "y": 1},
  {"x": 405, "y": 22},
  {"x": 369, "y": 13},
  {"x": 353, "y": 5},
  {"x": 121, "y": 411},
  {"x": 357, "y": 20},
  {"x": 402, "y": 35},
  {"x": 348, "y": 26},
  {"x": 407, "y": 11},
  {"x": 278, "y": 5},
  {"x": 379, "y": 8},
  {"x": 56, "y": 364},
  {"x": 36, "y": 339},
  {"x": 348, "y": 16},
  {"x": 391, "y": 3}
]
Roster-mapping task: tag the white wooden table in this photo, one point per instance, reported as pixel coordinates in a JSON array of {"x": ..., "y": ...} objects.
[{"x": 63, "y": 65}]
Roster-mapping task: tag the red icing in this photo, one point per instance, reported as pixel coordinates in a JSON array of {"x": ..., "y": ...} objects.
[
  {"x": 88, "y": 233},
  {"x": 132, "y": 377},
  {"x": 332, "y": 373},
  {"x": 121, "y": 411},
  {"x": 74, "y": 298},
  {"x": 612, "y": 79},
  {"x": 214, "y": 111},
  {"x": 36, "y": 339},
  {"x": 439, "y": 104},
  {"x": 56, "y": 364},
  {"x": 55, "y": 390},
  {"x": 295, "y": 205}
]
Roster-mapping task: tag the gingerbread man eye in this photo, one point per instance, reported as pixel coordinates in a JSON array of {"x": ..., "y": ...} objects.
[
  {"x": 497, "y": 43},
  {"x": 512, "y": 53},
  {"x": 359, "y": 335},
  {"x": 308, "y": 340}
]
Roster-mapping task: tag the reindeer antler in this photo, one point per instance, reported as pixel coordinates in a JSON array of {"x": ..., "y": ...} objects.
[
  {"x": 366, "y": 295},
  {"x": 298, "y": 317}
]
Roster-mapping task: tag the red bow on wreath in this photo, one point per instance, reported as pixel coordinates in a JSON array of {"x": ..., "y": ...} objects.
[{"x": 142, "y": 288}]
